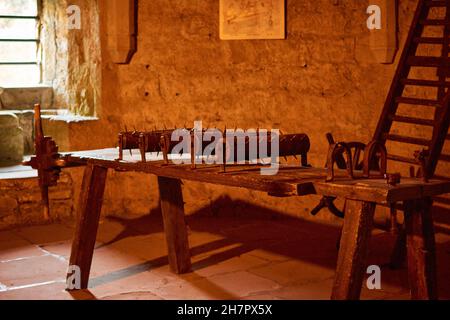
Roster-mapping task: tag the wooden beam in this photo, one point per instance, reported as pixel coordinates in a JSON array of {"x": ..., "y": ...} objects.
[
  {"x": 351, "y": 265},
  {"x": 421, "y": 249},
  {"x": 90, "y": 206},
  {"x": 172, "y": 207}
]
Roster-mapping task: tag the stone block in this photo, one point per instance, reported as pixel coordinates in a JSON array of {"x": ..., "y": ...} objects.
[
  {"x": 25, "y": 98},
  {"x": 8, "y": 205},
  {"x": 11, "y": 139}
]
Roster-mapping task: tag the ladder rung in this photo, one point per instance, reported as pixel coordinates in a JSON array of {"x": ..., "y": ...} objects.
[
  {"x": 425, "y": 83},
  {"x": 423, "y": 61},
  {"x": 415, "y": 101},
  {"x": 405, "y": 139},
  {"x": 434, "y": 22},
  {"x": 429, "y": 40},
  {"x": 424, "y": 122},
  {"x": 441, "y": 199},
  {"x": 439, "y": 177},
  {"x": 445, "y": 157},
  {"x": 401, "y": 159},
  {"x": 438, "y": 3}
]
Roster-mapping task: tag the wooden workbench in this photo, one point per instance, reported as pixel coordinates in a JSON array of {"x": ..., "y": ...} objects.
[{"x": 362, "y": 195}]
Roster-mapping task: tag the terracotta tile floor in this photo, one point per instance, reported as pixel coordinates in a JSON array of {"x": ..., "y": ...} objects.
[{"x": 233, "y": 258}]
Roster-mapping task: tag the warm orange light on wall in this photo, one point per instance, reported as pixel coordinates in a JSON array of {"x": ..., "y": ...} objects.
[
  {"x": 121, "y": 29},
  {"x": 383, "y": 41}
]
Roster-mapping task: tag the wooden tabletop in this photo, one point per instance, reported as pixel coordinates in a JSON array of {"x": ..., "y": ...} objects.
[{"x": 290, "y": 180}]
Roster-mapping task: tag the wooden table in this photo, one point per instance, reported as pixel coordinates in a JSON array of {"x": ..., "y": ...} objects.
[{"x": 361, "y": 195}]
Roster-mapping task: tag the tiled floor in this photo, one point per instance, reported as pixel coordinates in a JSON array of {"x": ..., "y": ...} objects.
[{"x": 233, "y": 258}]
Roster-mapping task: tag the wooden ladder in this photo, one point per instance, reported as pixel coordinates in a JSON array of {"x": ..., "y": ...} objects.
[{"x": 411, "y": 61}]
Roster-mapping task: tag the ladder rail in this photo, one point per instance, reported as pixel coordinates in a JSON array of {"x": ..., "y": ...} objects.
[
  {"x": 440, "y": 133},
  {"x": 390, "y": 107},
  {"x": 409, "y": 59},
  {"x": 443, "y": 70}
]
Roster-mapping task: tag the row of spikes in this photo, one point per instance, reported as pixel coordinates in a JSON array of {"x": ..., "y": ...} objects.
[{"x": 184, "y": 127}]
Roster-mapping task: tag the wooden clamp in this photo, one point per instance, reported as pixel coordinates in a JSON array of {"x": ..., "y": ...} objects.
[{"x": 47, "y": 161}]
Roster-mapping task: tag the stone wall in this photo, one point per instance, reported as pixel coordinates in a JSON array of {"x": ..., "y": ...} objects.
[
  {"x": 20, "y": 201},
  {"x": 321, "y": 79},
  {"x": 71, "y": 58}
]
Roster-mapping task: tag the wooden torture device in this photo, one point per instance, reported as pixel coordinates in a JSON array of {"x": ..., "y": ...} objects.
[
  {"x": 161, "y": 141},
  {"x": 361, "y": 188},
  {"x": 410, "y": 75},
  {"x": 361, "y": 176},
  {"x": 49, "y": 162}
]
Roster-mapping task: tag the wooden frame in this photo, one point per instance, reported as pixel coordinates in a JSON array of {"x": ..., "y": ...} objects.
[
  {"x": 243, "y": 20},
  {"x": 361, "y": 195}
]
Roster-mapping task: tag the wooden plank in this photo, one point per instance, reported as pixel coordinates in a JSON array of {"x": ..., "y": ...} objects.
[
  {"x": 416, "y": 101},
  {"x": 290, "y": 180},
  {"x": 426, "y": 61},
  {"x": 421, "y": 249},
  {"x": 214, "y": 174},
  {"x": 351, "y": 265},
  {"x": 425, "y": 83},
  {"x": 436, "y": 3},
  {"x": 172, "y": 208},
  {"x": 434, "y": 22},
  {"x": 398, "y": 158},
  {"x": 377, "y": 190},
  {"x": 398, "y": 255},
  {"x": 90, "y": 205},
  {"x": 419, "y": 121},
  {"x": 355, "y": 190},
  {"x": 429, "y": 40},
  {"x": 410, "y": 140}
]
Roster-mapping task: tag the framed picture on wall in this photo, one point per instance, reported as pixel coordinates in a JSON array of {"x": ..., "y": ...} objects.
[{"x": 252, "y": 19}]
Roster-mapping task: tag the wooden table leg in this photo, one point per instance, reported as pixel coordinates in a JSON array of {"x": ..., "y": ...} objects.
[
  {"x": 90, "y": 205},
  {"x": 351, "y": 265},
  {"x": 421, "y": 249},
  {"x": 172, "y": 207}
]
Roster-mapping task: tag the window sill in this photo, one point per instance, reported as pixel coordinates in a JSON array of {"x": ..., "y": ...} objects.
[
  {"x": 17, "y": 172},
  {"x": 67, "y": 117},
  {"x": 53, "y": 115}
]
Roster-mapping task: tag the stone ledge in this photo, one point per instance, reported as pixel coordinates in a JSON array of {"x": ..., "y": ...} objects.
[
  {"x": 25, "y": 97},
  {"x": 69, "y": 118}
]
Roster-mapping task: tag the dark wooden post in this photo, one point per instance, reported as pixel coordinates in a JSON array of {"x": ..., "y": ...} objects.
[
  {"x": 421, "y": 249},
  {"x": 351, "y": 265},
  {"x": 90, "y": 206},
  {"x": 172, "y": 208}
]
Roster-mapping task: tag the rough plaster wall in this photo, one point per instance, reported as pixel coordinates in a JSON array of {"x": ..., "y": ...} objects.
[
  {"x": 55, "y": 50},
  {"x": 71, "y": 58},
  {"x": 320, "y": 79},
  {"x": 84, "y": 60}
]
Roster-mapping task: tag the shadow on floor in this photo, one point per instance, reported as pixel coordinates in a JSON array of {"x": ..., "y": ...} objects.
[{"x": 274, "y": 232}]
